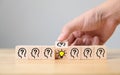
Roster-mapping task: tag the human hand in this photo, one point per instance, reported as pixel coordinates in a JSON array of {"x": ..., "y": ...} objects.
[{"x": 93, "y": 27}]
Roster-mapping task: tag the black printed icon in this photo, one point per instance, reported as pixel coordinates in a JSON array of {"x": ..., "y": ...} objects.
[
  {"x": 100, "y": 52},
  {"x": 48, "y": 52},
  {"x": 22, "y": 52},
  {"x": 87, "y": 52},
  {"x": 60, "y": 53},
  {"x": 61, "y": 44},
  {"x": 74, "y": 52},
  {"x": 35, "y": 52}
]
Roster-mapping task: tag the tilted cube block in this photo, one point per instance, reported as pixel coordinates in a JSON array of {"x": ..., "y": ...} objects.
[
  {"x": 59, "y": 44},
  {"x": 61, "y": 53},
  {"x": 61, "y": 49}
]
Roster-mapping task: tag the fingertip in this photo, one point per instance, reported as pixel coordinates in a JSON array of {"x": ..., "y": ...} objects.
[
  {"x": 60, "y": 38},
  {"x": 67, "y": 30},
  {"x": 63, "y": 36}
]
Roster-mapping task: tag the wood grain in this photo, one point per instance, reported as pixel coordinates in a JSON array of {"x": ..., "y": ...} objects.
[{"x": 8, "y": 65}]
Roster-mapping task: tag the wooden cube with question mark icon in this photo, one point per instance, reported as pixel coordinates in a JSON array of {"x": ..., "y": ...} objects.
[
  {"x": 100, "y": 52},
  {"x": 74, "y": 52},
  {"x": 61, "y": 53},
  {"x": 34, "y": 52},
  {"x": 87, "y": 52},
  {"x": 21, "y": 52},
  {"x": 48, "y": 52}
]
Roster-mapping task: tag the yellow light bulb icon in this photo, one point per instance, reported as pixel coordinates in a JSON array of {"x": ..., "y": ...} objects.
[{"x": 61, "y": 54}]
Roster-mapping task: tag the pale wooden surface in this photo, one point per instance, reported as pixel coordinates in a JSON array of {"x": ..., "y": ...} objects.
[{"x": 8, "y": 65}]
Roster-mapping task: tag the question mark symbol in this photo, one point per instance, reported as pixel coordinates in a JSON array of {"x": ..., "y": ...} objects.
[
  {"x": 87, "y": 52},
  {"x": 35, "y": 52},
  {"x": 22, "y": 52},
  {"x": 100, "y": 52},
  {"x": 74, "y": 52},
  {"x": 48, "y": 52}
]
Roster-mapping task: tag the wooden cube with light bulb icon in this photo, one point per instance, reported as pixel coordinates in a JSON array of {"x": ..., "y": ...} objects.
[
  {"x": 100, "y": 52},
  {"x": 61, "y": 50},
  {"x": 61, "y": 53}
]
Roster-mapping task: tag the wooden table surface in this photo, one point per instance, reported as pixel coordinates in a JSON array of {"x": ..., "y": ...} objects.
[{"x": 9, "y": 66}]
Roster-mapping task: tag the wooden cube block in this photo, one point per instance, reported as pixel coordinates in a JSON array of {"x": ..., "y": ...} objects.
[
  {"x": 34, "y": 52},
  {"x": 21, "y": 52},
  {"x": 59, "y": 44},
  {"x": 100, "y": 52},
  {"x": 87, "y": 52},
  {"x": 61, "y": 53},
  {"x": 48, "y": 52},
  {"x": 74, "y": 52}
]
